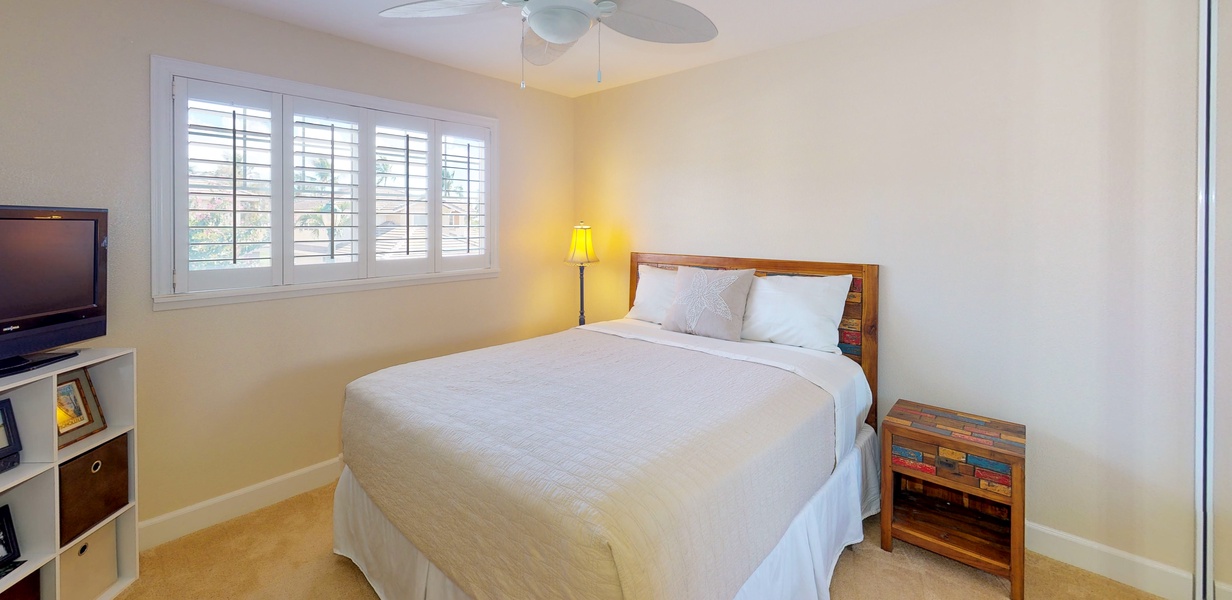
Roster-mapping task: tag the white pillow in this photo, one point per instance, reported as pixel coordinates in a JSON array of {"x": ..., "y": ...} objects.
[
  {"x": 796, "y": 311},
  {"x": 656, "y": 288}
]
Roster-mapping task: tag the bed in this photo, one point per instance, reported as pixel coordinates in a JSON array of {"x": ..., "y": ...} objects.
[{"x": 618, "y": 460}]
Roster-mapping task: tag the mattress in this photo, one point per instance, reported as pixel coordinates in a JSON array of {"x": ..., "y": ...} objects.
[
  {"x": 615, "y": 461},
  {"x": 799, "y": 567}
]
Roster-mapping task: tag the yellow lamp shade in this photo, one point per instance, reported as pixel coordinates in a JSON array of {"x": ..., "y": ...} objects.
[{"x": 582, "y": 250}]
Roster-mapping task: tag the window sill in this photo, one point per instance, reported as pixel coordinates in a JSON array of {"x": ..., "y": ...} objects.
[{"x": 214, "y": 298}]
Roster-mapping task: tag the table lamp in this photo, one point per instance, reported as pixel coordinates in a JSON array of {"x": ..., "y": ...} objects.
[{"x": 581, "y": 253}]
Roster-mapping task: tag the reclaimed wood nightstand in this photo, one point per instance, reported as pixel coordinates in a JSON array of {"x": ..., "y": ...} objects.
[{"x": 955, "y": 484}]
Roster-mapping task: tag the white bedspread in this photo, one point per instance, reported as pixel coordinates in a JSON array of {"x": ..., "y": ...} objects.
[
  {"x": 834, "y": 373},
  {"x": 586, "y": 465}
]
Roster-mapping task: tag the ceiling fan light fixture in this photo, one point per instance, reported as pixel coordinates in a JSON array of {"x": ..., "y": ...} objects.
[
  {"x": 559, "y": 25},
  {"x": 560, "y": 21}
]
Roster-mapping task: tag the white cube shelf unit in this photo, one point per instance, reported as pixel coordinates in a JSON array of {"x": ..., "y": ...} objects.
[{"x": 32, "y": 489}]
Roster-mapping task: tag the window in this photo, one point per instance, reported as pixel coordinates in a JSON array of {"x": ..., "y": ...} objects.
[{"x": 266, "y": 188}]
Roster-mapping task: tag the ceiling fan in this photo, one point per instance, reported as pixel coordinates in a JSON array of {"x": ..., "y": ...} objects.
[{"x": 554, "y": 26}]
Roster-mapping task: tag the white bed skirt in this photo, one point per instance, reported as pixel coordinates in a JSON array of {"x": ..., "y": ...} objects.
[{"x": 799, "y": 567}]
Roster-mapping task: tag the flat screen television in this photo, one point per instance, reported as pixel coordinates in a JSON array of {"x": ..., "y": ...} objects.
[{"x": 53, "y": 282}]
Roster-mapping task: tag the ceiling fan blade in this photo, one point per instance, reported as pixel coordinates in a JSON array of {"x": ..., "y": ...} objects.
[
  {"x": 664, "y": 21},
  {"x": 538, "y": 51},
  {"x": 440, "y": 8}
]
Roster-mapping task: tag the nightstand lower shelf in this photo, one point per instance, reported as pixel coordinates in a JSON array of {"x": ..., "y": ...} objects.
[{"x": 963, "y": 534}]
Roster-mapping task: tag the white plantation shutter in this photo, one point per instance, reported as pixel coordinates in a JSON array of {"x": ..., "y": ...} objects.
[
  {"x": 226, "y": 187},
  {"x": 326, "y": 199},
  {"x": 464, "y": 180},
  {"x": 402, "y": 241},
  {"x": 278, "y": 190}
]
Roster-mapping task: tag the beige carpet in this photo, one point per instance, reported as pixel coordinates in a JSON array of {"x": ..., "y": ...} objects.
[{"x": 285, "y": 552}]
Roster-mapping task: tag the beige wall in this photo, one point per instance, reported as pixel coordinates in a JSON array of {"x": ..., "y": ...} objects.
[
  {"x": 234, "y": 395},
  {"x": 1023, "y": 171}
]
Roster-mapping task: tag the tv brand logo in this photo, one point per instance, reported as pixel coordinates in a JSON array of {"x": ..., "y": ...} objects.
[{"x": 10, "y": 328}]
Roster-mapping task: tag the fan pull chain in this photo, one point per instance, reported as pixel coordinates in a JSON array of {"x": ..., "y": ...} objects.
[
  {"x": 599, "y": 76},
  {"x": 522, "y": 56}
]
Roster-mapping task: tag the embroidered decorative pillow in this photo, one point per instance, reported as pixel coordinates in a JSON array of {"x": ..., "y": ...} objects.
[{"x": 709, "y": 302}]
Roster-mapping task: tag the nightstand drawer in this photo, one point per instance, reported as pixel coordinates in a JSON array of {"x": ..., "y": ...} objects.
[
  {"x": 969, "y": 470},
  {"x": 974, "y": 471},
  {"x": 913, "y": 454}
]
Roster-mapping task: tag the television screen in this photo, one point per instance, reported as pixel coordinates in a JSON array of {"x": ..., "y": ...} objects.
[
  {"x": 53, "y": 282},
  {"x": 48, "y": 266}
]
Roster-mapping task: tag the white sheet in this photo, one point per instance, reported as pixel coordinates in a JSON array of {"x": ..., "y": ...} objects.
[
  {"x": 586, "y": 465},
  {"x": 800, "y": 566},
  {"x": 835, "y": 373}
]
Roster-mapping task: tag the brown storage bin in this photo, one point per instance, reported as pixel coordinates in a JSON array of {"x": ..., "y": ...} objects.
[
  {"x": 93, "y": 486},
  {"x": 89, "y": 567},
  {"x": 26, "y": 589}
]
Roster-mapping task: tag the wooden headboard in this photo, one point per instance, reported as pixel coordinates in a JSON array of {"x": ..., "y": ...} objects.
[{"x": 858, "y": 331}]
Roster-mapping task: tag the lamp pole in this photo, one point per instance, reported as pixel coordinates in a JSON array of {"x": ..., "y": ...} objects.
[{"x": 581, "y": 294}]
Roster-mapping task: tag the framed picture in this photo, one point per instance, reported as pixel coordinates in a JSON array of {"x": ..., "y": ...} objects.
[
  {"x": 77, "y": 411},
  {"x": 10, "y": 440},
  {"x": 8, "y": 537},
  {"x": 7, "y": 568}
]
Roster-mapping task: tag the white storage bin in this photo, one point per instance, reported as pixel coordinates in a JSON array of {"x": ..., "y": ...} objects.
[{"x": 89, "y": 567}]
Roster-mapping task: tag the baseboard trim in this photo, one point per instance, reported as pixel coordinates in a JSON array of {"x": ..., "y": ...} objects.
[
  {"x": 1145, "y": 574},
  {"x": 176, "y": 524},
  {"x": 1223, "y": 591}
]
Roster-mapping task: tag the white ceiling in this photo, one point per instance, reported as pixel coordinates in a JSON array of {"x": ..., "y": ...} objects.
[{"x": 488, "y": 43}]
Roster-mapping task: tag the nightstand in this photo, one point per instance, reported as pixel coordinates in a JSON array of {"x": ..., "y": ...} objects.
[{"x": 955, "y": 484}]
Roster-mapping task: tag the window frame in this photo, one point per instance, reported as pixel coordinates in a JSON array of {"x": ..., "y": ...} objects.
[{"x": 164, "y": 198}]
